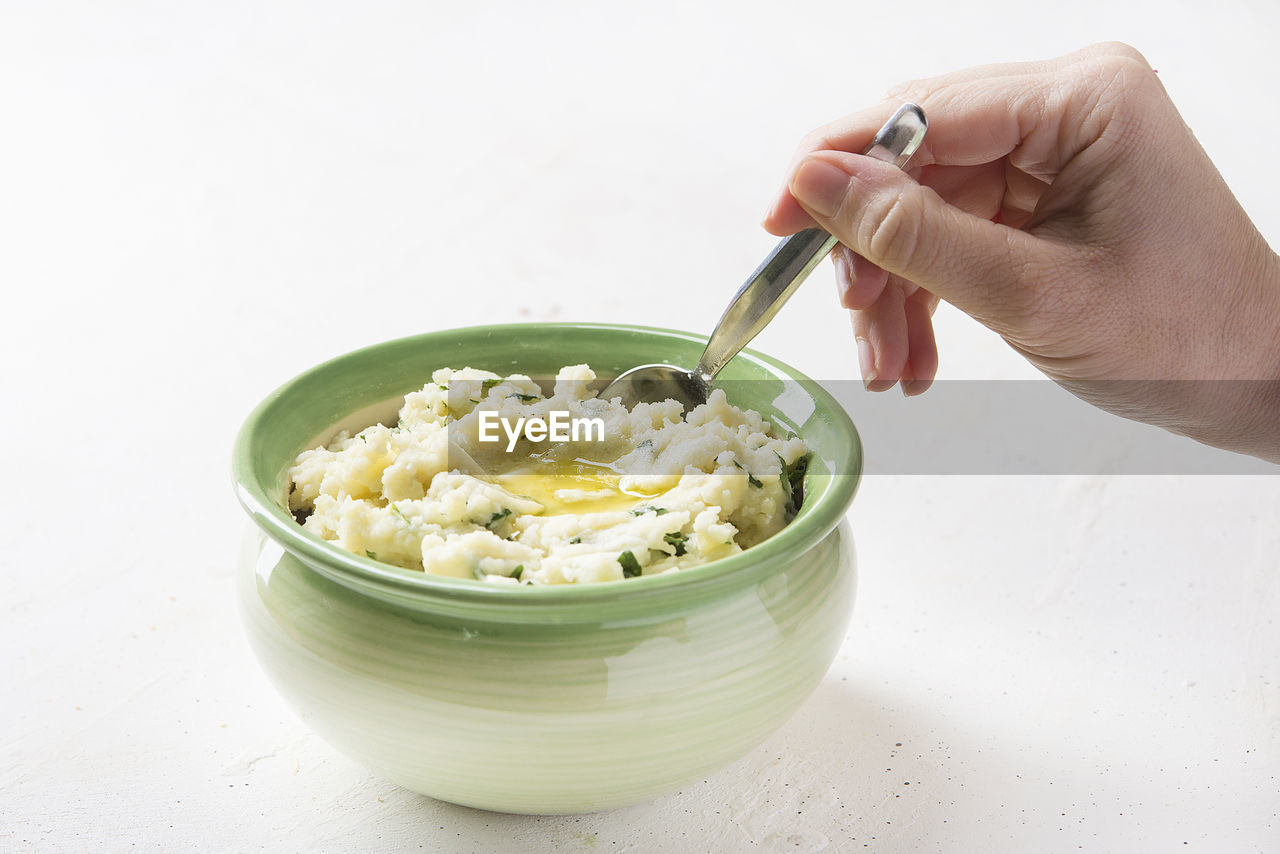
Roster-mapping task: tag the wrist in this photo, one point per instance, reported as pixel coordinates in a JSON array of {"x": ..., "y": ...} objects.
[
  {"x": 1266, "y": 405},
  {"x": 1253, "y": 417}
]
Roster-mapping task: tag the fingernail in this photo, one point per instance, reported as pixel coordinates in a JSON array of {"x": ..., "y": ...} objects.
[
  {"x": 866, "y": 361},
  {"x": 779, "y": 201},
  {"x": 768, "y": 214},
  {"x": 915, "y": 387},
  {"x": 906, "y": 382},
  {"x": 820, "y": 186},
  {"x": 842, "y": 275}
]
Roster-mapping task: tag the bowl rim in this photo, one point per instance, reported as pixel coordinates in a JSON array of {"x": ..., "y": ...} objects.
[{"x": 812, "y": 523}]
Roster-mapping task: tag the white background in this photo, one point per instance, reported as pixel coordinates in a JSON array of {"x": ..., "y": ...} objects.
[{"x": 199, "y": 200}]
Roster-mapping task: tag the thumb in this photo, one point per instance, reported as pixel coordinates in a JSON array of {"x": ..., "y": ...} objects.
[{"x": 879, "y": 212}]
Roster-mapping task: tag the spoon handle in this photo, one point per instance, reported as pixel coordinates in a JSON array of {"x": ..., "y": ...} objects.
[{"x": 793, "y": 259}]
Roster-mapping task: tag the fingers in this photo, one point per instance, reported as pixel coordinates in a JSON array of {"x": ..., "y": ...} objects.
[
  {"x": 852, "y": 133},
  {"x": 895, "y": 339},
  {"x": 785, "y": 216},
  {"x": 922, "y": 348},
  {"x": 976, "y": 189},
  {"x": 880, "y": 331},
  {"x": 859, "y": 282},
  {"x": 976, "y": 116},
  {"x": 998, "y": 137},
  {"x": 1009, "y": 93},
  {"x": 985, "y": 269},
  {"x": 969, "y": 126},
  {"x": 1022, "y": 194}
]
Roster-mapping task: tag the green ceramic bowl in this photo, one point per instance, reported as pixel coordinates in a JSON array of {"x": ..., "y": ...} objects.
[{"x": 543, "y": 699}]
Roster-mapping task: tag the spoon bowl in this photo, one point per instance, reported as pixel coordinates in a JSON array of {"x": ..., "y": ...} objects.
[{"x": 651, "y": 383}]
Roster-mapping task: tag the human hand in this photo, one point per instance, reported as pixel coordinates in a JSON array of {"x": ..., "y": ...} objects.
[{"x": 1065, "y": 205}]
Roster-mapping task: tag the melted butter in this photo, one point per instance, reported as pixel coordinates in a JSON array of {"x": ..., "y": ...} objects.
[{"x": 571, "y": 487}]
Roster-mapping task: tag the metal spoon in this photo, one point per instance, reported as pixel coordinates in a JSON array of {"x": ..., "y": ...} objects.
[{"x": 764, "y": 293}]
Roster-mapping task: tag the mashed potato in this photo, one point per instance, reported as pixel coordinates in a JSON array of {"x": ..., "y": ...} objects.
[{"x": 650, "y": 490}]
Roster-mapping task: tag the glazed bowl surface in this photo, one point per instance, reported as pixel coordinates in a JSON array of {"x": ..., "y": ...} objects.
[{"x": 553, "y": 699}]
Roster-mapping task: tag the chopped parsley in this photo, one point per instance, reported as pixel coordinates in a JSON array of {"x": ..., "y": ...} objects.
[
  {"x": 646, "y": 508},
  {"x": 792, "y": 480},
  {"x": 676, "y": 540},
  {"x": 751, "y": 479},
  {"x": 630, "y": 566},
  {"x": 517, "y": 572},
  {"x": 497, "y": 517},
  {"x": 488, "y": 384},
  {"x": 575, "y": 541},
  {"x": 525, "y": 398},
  {"x": 370, "y": 555},
  {"x": 395, "y": 511}
]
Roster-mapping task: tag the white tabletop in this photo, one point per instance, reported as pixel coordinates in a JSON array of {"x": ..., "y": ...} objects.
[{"x": 199, "y": 200}]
